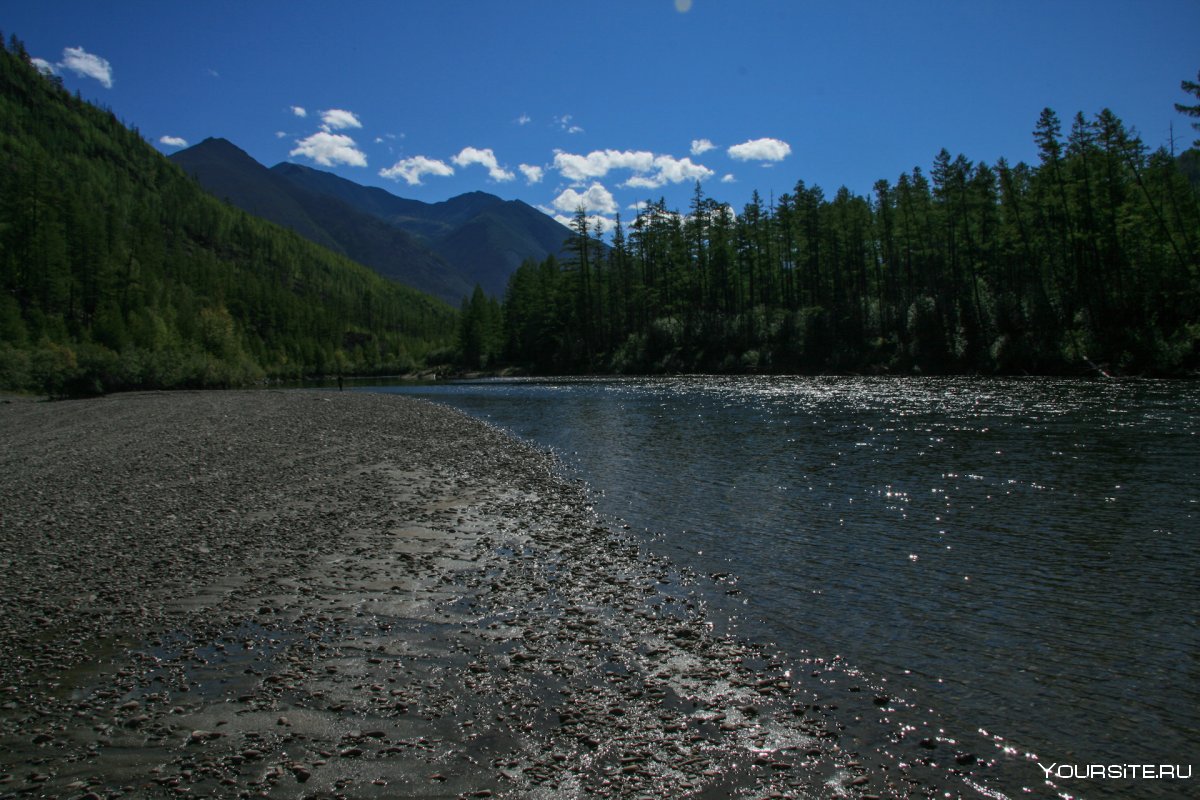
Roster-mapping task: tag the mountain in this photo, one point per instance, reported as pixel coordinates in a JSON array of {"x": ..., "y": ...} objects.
[
  {"x": 232, "y": 175},
  {"x": 499, "y": 238},
  {"x": 472, "y": 238},
  {"x": 118, "y": 271},
  {"x": 485, "y": 237},
  {"x": 369, "y": 199}
]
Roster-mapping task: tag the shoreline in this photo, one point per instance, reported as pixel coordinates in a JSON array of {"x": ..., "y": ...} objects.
[{"x": 320, "y": 594}]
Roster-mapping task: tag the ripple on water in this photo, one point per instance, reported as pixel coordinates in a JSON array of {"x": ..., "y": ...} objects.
[{"x": 1020, "y": 554}]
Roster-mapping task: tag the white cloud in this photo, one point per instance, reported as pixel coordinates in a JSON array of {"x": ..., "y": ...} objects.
[
  {"x": 532, "y": 174},
  {"x": 473, "y": 155},
  {"x": 524, "y": 119},
  {"x": 596, "y": 199},
  {"x": 172, "y": 141},
  {"x": 81, "y": 62},
  {"x": 595, "y": 221},
  {"x": 598, "y": 163},
  {"x": 336, "y": 119},
  {"x": 411, "y": 169},
  {"x": 564, "y": 122},
  {"x": 728, "y": 178},
  {"x": 641, "y": 182},
  {"x": 650, "y": 171},
  {"x": 329, "y": 149},
  {"x": 760, "y": 150},
  {"x": 701, "y": 146},
  {"x": 88, "y": 65},
  {"x": 281, "y": 134},
  {"x": 678, "y": 170},
  {"x": 299, "y": 111}
]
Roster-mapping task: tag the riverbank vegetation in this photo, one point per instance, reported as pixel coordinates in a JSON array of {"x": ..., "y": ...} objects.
[
  {"x": 1087, "y": 261},
  {"x": 117, "y": 271}
]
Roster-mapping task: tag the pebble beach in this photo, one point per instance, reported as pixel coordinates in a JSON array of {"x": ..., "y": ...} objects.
[{"x": 313, "y": 594}]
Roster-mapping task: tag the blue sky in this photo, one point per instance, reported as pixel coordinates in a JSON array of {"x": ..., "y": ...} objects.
[{"x": 557, "y": 102}]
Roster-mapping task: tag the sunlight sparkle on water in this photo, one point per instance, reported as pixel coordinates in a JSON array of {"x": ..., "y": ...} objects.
[{"x": 965, "y": 481}]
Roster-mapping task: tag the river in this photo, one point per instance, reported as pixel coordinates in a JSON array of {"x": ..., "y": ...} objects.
[{"x": 1016, "y": 560}]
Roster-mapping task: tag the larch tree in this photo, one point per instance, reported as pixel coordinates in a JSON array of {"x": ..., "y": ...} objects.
[{"x": 1192, "y": 88}]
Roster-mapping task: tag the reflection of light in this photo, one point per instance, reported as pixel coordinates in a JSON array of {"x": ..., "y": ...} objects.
[{"x": 683, "y": 6}]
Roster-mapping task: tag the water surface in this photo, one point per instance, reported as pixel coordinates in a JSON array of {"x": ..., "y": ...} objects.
[{"x": 1018, "y": 559}]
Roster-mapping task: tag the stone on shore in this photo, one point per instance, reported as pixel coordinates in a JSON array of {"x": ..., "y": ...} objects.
[{"x": 242, "y": 593}]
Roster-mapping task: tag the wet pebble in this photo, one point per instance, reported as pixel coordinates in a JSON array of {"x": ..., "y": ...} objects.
[{"x": 367, "y": 561}]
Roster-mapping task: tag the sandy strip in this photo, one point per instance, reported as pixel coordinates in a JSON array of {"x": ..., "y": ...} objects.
[{"x": 314, "y": 594}]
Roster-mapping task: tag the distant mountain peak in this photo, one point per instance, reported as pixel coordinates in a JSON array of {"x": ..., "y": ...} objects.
[
  {"x": 232, "y": 174},
  {"x": 210, "y": 141},
  {"x": 478, "y": 194},
  {"x": 444, "y": 248},
  {"x": 215, "y": 144}
]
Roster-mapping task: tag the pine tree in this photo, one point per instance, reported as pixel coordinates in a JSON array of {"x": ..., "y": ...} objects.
[{"x": 1192, "y": 88}]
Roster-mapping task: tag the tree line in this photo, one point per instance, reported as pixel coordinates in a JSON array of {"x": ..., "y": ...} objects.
[
  {"x": 117, "y": 271},
  {"x": 1086, "y": 261}
]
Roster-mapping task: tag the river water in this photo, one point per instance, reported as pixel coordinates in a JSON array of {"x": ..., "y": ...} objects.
[{"x": 1018, "y": 560}]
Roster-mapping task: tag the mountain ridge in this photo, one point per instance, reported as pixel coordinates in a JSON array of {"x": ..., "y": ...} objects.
[
  {"x": 227, "y": 171},
  {"x": 532, "y": 235},
  {"x": 443, "y": 248},
  {"x": 120, "y": 272},
  {"x": 230, "y": 172}
]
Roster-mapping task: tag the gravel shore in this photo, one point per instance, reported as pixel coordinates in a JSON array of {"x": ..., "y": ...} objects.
[{"x": 301, "y": 594}]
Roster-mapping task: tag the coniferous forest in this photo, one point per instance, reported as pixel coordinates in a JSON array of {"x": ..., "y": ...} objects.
[
  {"x": 1087, "y": 262},
  {"x": 118, "y": 271}
]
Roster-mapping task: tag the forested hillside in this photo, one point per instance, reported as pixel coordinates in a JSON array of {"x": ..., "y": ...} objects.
[
  {"x": 231, "y": 174},
  {"x": 118, "y": 271},
  {"x": 1088, "y": 261}
]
